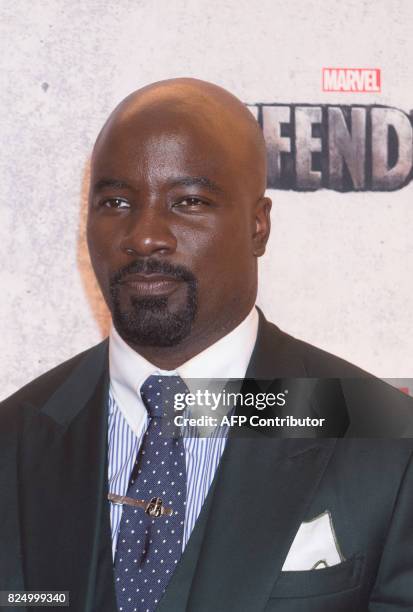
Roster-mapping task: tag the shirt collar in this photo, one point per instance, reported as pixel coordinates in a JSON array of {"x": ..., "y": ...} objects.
[{"x": 226, "y": 358}]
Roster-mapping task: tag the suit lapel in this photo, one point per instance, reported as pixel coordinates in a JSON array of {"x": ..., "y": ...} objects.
[
  {"x": 274, "y": 355},
  {"x": 63, "y": 485},
  {"x": 263, "y": 490}
]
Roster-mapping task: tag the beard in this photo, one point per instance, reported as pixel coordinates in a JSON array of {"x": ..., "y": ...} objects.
[{"x": 152, "y": 320}]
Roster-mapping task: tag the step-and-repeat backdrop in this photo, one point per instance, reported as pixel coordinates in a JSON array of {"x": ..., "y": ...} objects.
[{"x": 330, "y": 84}]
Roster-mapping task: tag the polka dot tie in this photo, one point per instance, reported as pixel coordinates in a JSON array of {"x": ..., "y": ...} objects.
[{"x": 149, "y": 549}]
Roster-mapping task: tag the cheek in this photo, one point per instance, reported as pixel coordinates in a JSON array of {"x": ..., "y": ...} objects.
[
  {"x": 220, "y": 253},
  {"x": 103, "y": 250},
  {"x": 202, "y": 248},
  {"x": 101, "y": 236}
]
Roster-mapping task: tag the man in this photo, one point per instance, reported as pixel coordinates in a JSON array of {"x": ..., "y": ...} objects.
[{"x": 177, "y": 220}]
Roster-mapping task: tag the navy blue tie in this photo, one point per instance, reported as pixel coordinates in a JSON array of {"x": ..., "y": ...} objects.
[{"x": 149, "y": 547}]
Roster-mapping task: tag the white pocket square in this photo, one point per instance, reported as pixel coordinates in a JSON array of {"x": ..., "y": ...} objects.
[{"x": 315, "y": 546}]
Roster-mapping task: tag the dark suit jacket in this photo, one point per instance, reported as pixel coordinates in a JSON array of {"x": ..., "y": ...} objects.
[{"x": 54, "y": 515}]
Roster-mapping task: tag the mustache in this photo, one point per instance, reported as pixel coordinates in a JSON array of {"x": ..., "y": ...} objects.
[{"x": 153, "y": 266}]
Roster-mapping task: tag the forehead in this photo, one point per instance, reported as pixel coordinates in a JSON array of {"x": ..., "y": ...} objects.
[{"x": 156, "y": 146}]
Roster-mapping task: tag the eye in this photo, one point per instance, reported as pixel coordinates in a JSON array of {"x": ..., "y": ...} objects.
[
  {"x": 191, "y": 202},
  {"x": 118, "y": 203}
]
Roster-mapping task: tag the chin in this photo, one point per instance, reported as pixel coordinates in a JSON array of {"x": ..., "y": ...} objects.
[{"x": 152, "y": 324}]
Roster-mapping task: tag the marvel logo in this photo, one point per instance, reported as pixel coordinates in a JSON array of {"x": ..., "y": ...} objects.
[{"x": 352, "y": 79}]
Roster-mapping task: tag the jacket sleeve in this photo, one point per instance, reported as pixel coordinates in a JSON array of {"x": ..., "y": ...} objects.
[
  {"x": 393, "y": 589},
  {"x": 11, "y": 576}
]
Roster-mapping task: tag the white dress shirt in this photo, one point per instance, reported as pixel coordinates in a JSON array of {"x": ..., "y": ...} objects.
[{"x": 128, "y": 420}]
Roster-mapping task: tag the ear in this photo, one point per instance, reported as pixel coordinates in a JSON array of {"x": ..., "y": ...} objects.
[{"x": 262, "y": 226}]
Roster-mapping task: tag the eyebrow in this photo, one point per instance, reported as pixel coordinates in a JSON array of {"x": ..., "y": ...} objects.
[
  {"x": 111, "y": 183},
  {"x": 196, "y": 181},
  {"x": 185, "y": 181}
]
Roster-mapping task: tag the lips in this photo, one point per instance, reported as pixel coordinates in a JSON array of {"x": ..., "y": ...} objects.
[{"x": 151, "y": 284}]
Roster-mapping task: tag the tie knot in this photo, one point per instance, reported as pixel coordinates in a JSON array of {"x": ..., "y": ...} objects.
[{"x": 158, "y": 394}]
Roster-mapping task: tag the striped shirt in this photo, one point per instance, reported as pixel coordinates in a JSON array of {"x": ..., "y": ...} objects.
[
  {"x": 227, "y": 358},
  {"x": 202, "y": 456}
]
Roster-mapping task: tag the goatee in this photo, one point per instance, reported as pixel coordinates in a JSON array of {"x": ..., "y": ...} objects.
[{"x": 151, "y": 320}]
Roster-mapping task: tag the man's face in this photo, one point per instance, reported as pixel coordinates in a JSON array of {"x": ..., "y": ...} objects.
[{"x": 171, "y": 229}]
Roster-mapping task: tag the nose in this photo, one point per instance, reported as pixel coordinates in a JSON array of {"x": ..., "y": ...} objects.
[{"x": 149, "y": 232}]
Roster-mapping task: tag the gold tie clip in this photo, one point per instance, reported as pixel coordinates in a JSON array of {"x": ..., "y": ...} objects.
[{"x": 154, "y": 507}]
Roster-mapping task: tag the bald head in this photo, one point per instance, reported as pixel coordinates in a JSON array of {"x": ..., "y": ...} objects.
[
  {"x": 178, "y": 216},
  {"x": 196, "y": 104}
]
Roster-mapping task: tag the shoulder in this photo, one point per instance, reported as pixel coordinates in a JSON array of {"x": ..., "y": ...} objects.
[
  {"x": 306, "y": 359},
  {"x": 318, "y": 362},
  {"x": 39, "y": 390},
  {"x": 349, "y": 396}
]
